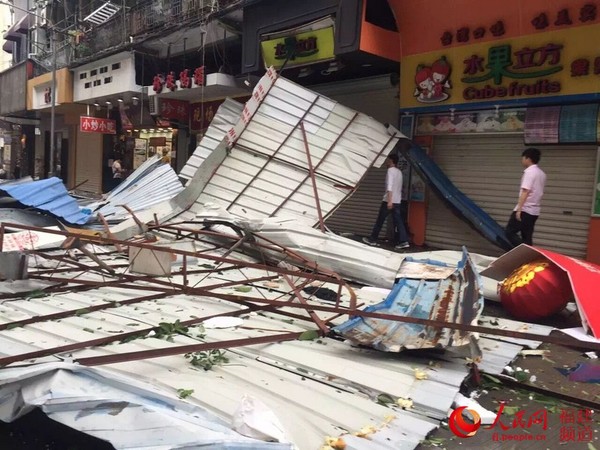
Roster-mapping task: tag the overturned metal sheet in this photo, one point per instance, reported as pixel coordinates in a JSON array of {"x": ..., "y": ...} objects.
[
  {"x": 457, "y": 299},
  {"x": 48, "y": 195},
  {"x": 151, "y": 183},
  {"x": 295, "y": 154}
]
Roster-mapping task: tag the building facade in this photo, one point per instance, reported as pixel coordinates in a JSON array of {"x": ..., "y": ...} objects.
[{"x": 494, "y": 79}]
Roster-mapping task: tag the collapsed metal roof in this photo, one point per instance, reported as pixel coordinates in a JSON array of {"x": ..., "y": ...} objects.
[
  {"x": 294, "y": 154},
  {"x": 108, "y": 352},
  {"x": 48, "y": 195}
]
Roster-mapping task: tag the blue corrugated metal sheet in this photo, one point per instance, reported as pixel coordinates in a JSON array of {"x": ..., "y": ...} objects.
[
  {"x": 449, "y": 193},
  {"x": 457, "y": 299},
  {"x": 48, "y": 195}
]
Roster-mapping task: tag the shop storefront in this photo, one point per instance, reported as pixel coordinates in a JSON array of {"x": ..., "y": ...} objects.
[
  {"x": 483, "y": 94},
  {"x": 112, "y": 104}
]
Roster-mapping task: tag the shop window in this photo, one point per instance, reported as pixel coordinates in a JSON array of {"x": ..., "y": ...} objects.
[
  {"x": 104, "y": 69},
  {"x": 108, "y": 80},
  {"x": 116, "y": 66},
  {"x": 381, "y": 15},
  {"x": 83, "y": 75},
  {"x": 87, "y": 85},
  {"x": 93, "y": 73},
  {"x": 97, "y": 82}
]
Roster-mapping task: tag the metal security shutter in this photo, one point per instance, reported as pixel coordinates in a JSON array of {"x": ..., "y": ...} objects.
[
  {"x": 488, "y": 169},
  {"x": 88, "y": 164},
  {"x": 376, "y": 97}
]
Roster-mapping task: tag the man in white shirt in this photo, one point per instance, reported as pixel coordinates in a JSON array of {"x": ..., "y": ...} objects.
[
  {"x": 528, "y": 207},
  {"x": 391, "y": 203}
]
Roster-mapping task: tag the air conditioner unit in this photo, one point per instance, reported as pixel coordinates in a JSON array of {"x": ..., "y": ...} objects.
[{"x": 153, "y": 105}]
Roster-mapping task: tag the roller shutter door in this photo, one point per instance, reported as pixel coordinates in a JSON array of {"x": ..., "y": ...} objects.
[
  {"x": 88, "y": 163},
  {"x": 488, "y": 169},
  {"x": 376, "y": 97}
]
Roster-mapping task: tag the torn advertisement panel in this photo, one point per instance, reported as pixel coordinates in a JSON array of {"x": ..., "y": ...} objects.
[
  {"x": 457, "y": 299},
  {"x": 583, "y": 276}
]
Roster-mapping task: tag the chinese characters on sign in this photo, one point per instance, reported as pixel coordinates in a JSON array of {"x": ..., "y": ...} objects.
[
  {"x": 587, "y": 12},
  {"x": 97, "y": 125},
  {"x": 500, "y": 65},
  {"x": 160, "y": 81},
  {"x": 174, "y": 109}
]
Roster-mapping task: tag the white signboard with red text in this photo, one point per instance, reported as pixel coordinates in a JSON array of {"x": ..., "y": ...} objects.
[{"x": 97, "y": 125}]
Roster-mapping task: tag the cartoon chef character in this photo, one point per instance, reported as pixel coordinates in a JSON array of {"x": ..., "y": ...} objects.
[
  {"x": 424, "y": 83},
  {"x": 440, "y": 70}
]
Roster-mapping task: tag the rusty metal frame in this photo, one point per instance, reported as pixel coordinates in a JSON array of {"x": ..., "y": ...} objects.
[
  {"x": 329, "y": 150},
  {"x": 271, "y": 157},
  {"x": 290, "y": 300}
]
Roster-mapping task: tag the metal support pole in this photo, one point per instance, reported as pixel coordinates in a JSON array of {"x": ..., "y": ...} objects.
[
  {"x": 52, "y": 107},
  {"x": 311, "y": 172}
]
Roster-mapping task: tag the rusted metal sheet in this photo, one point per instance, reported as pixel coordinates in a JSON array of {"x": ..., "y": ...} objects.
[{"x": 456, "y": 298}]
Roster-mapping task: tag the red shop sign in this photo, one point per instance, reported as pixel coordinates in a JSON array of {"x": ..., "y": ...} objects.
[
  {"x": 174, "y": 109},
  {"x": 97, "y": 125}
]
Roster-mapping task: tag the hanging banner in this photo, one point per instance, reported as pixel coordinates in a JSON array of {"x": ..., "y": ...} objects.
[{"x": 97, "y": 125}]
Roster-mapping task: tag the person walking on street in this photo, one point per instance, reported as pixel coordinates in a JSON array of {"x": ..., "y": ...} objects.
[
  {"x": 391, "y": 203},
  {"x": 528, "y": 207}
]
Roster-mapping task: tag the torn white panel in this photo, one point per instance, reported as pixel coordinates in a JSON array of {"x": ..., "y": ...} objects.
[
  {"x": 118, "y": 409},
  {"x": 31, "y": 240}
]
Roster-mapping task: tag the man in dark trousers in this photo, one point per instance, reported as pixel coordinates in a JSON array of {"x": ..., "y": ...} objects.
[
  {"x": 391, "y": 203},
  {"x": 528, "y": 207}
]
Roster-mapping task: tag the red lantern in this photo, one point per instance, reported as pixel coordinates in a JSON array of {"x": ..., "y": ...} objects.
[{"x": 536, "y": 290}]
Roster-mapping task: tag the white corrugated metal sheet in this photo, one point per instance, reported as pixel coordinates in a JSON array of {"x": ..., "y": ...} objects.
[
  {"x": 226, "y": 117},
  {"x": 266, "y": 173},
  {"x": 151, "y": 183},
  {"x": 316, "y": 388}
]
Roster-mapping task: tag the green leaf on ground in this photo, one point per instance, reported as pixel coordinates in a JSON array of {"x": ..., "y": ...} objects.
[
  {"x": 184, "y": 393},
  {"x": 309, "y": 335},
  {"x": 242, "y": 288}
]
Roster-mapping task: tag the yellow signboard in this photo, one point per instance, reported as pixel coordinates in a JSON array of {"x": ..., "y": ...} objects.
[
  {"x": 566, "y": 62},
  {"x": 300, "y": 49}
]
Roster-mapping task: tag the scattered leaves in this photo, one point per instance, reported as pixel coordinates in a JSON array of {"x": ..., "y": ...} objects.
[
  {"x": 184, "y": 393},
  {"x": 167, "y": 330},
  {"x": 89, "y": 330},
  {"x": 242, "y": 288},
  {"x": 206, "y": 360},
  {"x": 309, "y": 335},
  {"x": 385, "y": 399}
]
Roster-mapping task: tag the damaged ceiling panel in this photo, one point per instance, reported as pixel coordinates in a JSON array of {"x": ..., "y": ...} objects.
[{"x": 295, "y": 154}]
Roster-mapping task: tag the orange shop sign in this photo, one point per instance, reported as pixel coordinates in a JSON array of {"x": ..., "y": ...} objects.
[
  {"x": 566, "y": 63},
  {"x": 97, "y": 125}
]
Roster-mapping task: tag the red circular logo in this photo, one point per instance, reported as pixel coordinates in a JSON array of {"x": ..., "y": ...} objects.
[{"x": 460, "y": 427}]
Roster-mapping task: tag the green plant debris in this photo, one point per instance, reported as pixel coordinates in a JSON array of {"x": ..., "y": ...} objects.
[
  {"x": 133, "y": 337},
  {"x": 491, "y": 378},
  {"x": 82, "y": 311},
  {"x": 184, "y": 393},
  {"x": 591, "y": 447},
  {"x": 167, "y": 330},
  {"x": 12, "y": 326},
  {"x": 206, "y": 360},
  {"x": 433, "y": 442},
  {"x": 242, "y": 288},
  {"x": 511, "y": 410},
  {"x": 385, "y": 399},
  {"x": 89, "y": 330},
  {"x": 309, "y": 335}
]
